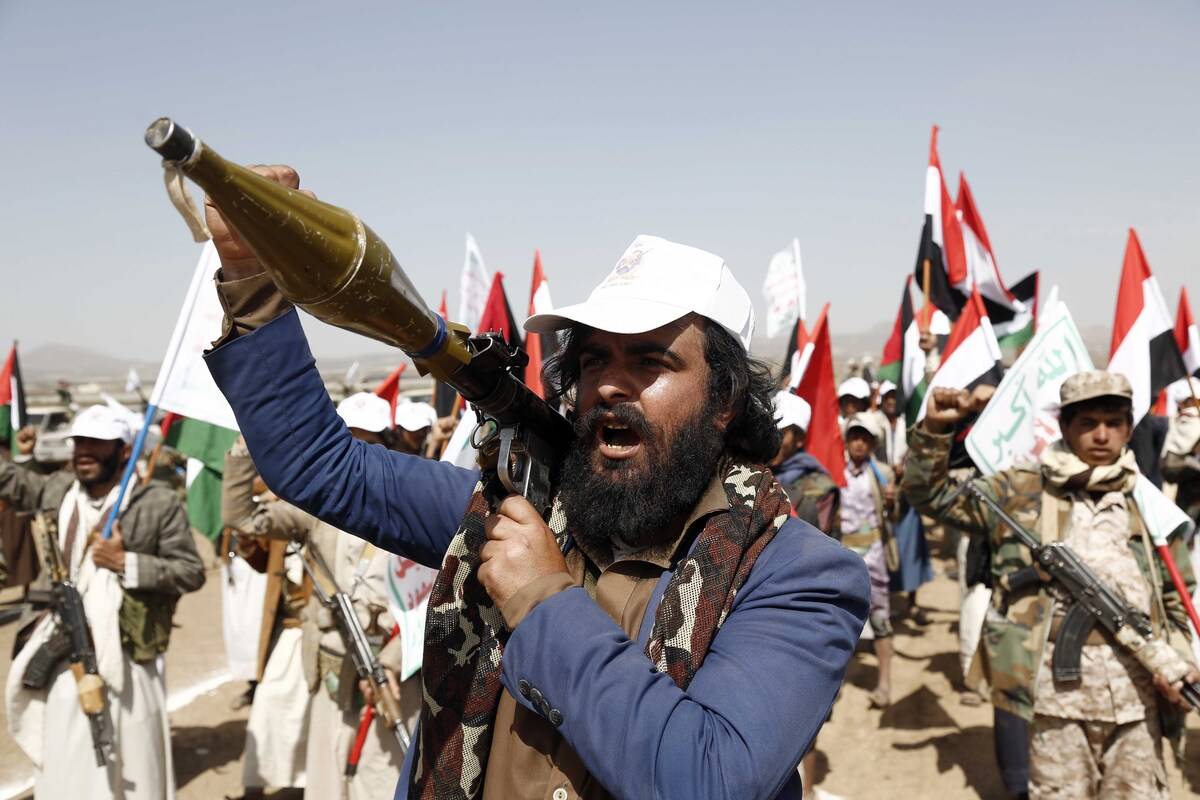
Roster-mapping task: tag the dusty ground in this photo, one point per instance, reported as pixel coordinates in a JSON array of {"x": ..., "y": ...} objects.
[{"x": 926, "y": 745}]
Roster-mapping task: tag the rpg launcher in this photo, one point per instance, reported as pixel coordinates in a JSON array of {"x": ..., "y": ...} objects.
[
  {"x": 325, "y": 260},
  {"x": 354, "y": 640},
  {"x": 71, "y": 640},
  {"x": 1090, "y": 603}
]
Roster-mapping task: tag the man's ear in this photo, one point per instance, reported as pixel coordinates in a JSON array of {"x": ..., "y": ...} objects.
[{"x": 126, "y": 452}]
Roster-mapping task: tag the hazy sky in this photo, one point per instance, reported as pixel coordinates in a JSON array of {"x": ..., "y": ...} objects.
[{"x": 573, "y": 127}]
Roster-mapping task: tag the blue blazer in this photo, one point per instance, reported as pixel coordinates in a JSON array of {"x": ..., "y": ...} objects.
[{"x": 753, "y": 708}]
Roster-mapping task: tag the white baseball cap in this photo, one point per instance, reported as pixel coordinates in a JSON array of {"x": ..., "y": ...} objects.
[
  {"x": 101, "y": 422},
  {"x": 792, "y": 410},
  {"x": 864, "y": 420},
  {"x": 885, "y": 387},
  {"x": 366, "y": 411},
  {"x": 415, "y": 416},
  {"x": 657, "y": 282},
  {"x": 855, "y": 387}
]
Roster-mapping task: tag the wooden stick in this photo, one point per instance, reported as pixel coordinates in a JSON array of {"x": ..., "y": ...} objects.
[{"x": 152, "y": 462}]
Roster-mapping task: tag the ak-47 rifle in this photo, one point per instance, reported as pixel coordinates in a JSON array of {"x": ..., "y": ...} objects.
[
  {"x": 354, "y": 639},
  {"x": 1091, "y": 603},
  {"x": 72, "y": 639}
]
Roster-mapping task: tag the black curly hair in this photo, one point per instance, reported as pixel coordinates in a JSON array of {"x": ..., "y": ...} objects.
[{"x": 736, "y": 380}]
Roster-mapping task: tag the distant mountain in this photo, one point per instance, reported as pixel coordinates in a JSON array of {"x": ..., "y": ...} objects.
[{"x": 54, "y": 362}]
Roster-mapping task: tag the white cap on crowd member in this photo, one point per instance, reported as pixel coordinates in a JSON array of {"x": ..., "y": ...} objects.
[
  {"x": 101, "y": 422},
  {"x": 886, "y": 387},
  {"x": 792, "y": 410},
  {"x": 1184, "y": 389},
  {"x": 865, "y": 420},
  {"x": 855, "y": 387},
  {"x": 657, "y": 282},
  {"x": 415, "y": 416},
  {"x": 366, "y": 411}
]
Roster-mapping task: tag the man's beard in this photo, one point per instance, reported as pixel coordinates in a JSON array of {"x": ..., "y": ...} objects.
[
  {"x": 106, "y": 470},
  {"x": 618, "y": 503}
]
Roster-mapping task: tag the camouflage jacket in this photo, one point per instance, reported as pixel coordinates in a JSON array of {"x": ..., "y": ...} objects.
[
  {"x": 814, "y": 496},
  {"x": 1017, "y": 625}
]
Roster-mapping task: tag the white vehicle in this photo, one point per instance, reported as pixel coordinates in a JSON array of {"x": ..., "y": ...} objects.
[{"x": 53, "y": 426}]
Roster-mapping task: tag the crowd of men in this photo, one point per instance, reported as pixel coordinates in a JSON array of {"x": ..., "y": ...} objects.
[{"x": 681, "y": 623}]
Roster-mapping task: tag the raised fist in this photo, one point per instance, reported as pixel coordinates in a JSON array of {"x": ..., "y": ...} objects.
[{"x": 945, "y": 408}]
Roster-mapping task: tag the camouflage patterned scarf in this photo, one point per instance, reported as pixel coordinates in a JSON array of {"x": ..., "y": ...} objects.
[{"x": 465, "y": 632}]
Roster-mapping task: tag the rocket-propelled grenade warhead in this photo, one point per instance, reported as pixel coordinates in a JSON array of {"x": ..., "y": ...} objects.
[
  {"x": 325, "y": 260},
  {"x": 322, "y": 258}
]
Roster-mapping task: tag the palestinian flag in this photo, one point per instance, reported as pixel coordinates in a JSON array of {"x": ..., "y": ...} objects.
[
  {"x": 389, "y": 390},
  {"x": 1143, "y": 348},
  {"x": 12, "y": 399},
  {"x": 817, "y": 386},
  {"x": 539, "y": 303},
  {"x": 444, "y": 396},
  {"x": 903, "y": 360},
  {"x": 941, "y": 267},
  {"x": 497, "y": 314},
  {"x": 1007, "y": 313},
  {"x": 1026, "y": 291},
  {"x": 795, "y": 349},
  {"x": 205, "y": 445},
  {"x": 971, "y": 356}
]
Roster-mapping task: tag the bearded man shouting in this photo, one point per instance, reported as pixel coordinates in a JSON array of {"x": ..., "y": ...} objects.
[{"x": 670, "y": 632}]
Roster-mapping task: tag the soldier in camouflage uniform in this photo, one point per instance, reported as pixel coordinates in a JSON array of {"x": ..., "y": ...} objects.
[
  {"x": 813, "y": 493},
  {"x": 1099, "y": 736}
]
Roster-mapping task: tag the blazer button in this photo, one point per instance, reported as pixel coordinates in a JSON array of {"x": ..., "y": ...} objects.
[
  {"x": 535, "y": 694},
  {"x": 555, "y": 716},
  {"x": 523, "y": 688},
  {"x": 560, "y": 794}
]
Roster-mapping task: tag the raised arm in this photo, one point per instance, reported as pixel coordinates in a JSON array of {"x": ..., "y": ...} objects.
[
  {"x": 306, "y": 455},
  {"x": 753, "y": 708}
]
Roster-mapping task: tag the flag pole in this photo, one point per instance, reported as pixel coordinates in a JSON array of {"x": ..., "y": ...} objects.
[
  {"x": 1164, "y": 553},
  {"x": 139, "y": 444},
  {"x": 926, "y": 268}
]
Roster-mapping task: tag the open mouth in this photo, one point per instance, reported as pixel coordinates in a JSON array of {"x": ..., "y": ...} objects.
[{"x": 617, "y": 441}]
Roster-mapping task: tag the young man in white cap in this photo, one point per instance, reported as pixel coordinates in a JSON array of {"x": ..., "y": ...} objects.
[
  {"x": 308, "y": 703},
  {"x": 568, "y": 660},
  {"x": 854, "y": 397},
  {"x": 130, "y": 585},
  {"x": 867, "y": 516},
  {"x": 813, "y": 493},
  {"x": 1181, "y": 452},
  {"x": 893, "y": 441},
  {"x": 414, "y": 421}
]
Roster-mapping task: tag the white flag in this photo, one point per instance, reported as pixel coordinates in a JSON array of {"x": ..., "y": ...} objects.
[
  {"x": 184, "y": 384},
  {"x": 473, "y": 286},
  {"x": 784, "y": 290},
  {"x": 133, "y": 381},
  {"x": 408, "y": 588}
]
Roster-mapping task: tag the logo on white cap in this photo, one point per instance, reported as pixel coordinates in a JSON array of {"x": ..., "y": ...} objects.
[
  {"x": 654, "y": 283},
  {"x": 101, "y": 422},
  {"x": 365, "y": 411}
]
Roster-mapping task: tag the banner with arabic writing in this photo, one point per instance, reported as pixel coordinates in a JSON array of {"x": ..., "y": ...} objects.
[{"x": 408, "y": 588}]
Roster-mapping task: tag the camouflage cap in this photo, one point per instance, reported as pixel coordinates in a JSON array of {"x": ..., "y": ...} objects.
[{"x": 1092, "y": 384}]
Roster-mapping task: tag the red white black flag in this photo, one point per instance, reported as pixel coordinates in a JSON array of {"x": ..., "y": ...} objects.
[
  {"x": 1006, "y": 311},
  {"x": 941, "y": 269},
  {"x": 1143, "y": 347}
]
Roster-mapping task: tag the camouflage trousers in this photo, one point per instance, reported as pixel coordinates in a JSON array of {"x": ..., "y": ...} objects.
[{"x": 1083, "y": 759}]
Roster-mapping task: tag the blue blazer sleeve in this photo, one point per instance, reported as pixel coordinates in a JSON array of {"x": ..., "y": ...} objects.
[
  {"x": 305, "y": 453},
  {"x": 752, "y": 709}
]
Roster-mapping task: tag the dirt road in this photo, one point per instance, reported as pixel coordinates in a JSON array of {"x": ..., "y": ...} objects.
[{"x": 927, "y": 744}]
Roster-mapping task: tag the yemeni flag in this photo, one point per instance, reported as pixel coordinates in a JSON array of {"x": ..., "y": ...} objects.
[
  {"x": 1143, "y": 348},
  {"x": 1187, "y": 338},
  {"x": 941, "y": 258},
  {"x": 972, "y": 355},
  {"x": 539, "y": 303},
  {"x": 12, "y": 399},
  {"x": 389, "y": 390},
  {"x": 1007, "y": 313},
  {"x": 497, "y": 314},
  {"x": 903, "y": 360},
  {"x": 816, "y": 384},
  {"x": 1026, "y": 291}
]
